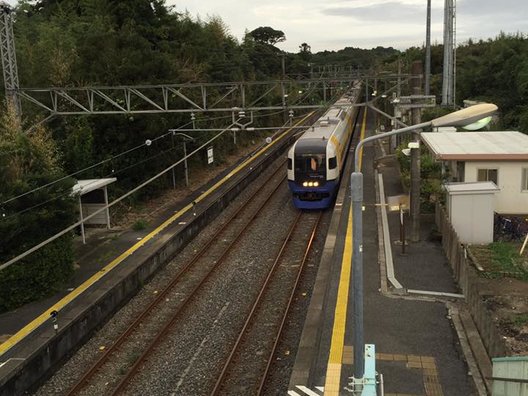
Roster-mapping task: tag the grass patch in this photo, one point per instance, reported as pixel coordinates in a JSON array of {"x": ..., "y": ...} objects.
[
  {"x": 504, "y": 256},
  {"x": 520, "y": 320},
  {"x": 140, "y": 225},
  {"x": 501, "y": 259}
]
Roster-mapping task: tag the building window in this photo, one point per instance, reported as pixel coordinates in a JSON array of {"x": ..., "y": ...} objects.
[
  {"x": 488, "y": 175},
  {"x": 524, "y": 183}
]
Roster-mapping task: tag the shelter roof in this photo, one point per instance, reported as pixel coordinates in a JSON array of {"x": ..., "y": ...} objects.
[
  {"x": 477, "y": 146},
  {"x": 85, "y": 186}
]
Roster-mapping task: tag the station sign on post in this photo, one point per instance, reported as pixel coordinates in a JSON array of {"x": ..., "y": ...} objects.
[{"x": 210, "y": 157}]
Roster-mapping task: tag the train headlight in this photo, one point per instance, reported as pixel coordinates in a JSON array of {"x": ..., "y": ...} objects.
[
  {"x": 316, "y": 184},
  {"x": 310, "y": 184},
  {"x": 305, "y": 184}
]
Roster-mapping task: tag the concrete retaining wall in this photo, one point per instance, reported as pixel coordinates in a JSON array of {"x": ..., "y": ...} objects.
[
  {"x": 44, "y": 350},
  {"x": 467, "y": 277}
]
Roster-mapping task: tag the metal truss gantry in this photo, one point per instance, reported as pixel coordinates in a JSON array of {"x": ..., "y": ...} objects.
[
  {"x": 7, "y": 51},
  {"x": 189, "y": 98}
]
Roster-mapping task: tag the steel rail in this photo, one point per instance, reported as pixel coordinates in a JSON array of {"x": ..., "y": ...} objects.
[
  {"x": 289, "y": 305},
  {"x": 161, "y": 296},
  {"x": 258, "y": 300},
  {"x": 121, "y": 386}
]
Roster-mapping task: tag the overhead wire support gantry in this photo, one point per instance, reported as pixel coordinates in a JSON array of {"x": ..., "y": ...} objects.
[{"x": 177, "y": 98}]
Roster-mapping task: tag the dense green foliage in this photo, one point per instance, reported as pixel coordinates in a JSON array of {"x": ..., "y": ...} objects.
[
  {"x": 497, "y": 71},
  {"x": 267, "y": 35},
  {"x": 494, "y": 70},
  {"x": 357, "y": 58},
  {"x": 28, "y": 162}
]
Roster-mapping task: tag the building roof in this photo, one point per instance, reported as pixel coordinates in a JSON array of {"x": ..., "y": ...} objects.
[
  {"x": 471, "y": 188},
  {"x": 85, "y": 186},
  {"x": 477, "y": 146}
]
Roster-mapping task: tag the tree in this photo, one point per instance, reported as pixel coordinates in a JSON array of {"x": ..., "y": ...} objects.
[
  {"x": 267, "y": 35},
  {"x": 305, "y": 52},
  {"x": 305, "y": 49},
  {"x": 30, "y": 203}
]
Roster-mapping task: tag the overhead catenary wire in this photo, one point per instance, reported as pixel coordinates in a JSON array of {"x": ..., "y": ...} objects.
[
  {"x": 67, "y": 192},
  {"x": 76, "y": 173},
  {"x": 112, "y": 159},
  {"x": 98, "y": 164},
  {"x": 119, "y": 199}
]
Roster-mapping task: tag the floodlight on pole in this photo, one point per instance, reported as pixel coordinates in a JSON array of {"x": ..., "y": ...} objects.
[
  {"x": 478, "y": 124},
  {"x": 462, "y": 117}
]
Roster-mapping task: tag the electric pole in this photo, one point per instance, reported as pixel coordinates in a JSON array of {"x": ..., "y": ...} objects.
[{"x": 448, "y": 82}]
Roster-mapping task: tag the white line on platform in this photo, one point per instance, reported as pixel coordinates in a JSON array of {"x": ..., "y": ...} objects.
[
  {"x": 434, "y": 293},
  {"x": 386, "y": 237},
  {"x": 8, "y": 360}
]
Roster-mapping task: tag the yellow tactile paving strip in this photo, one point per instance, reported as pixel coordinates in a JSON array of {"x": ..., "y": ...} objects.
[
  {"x": 427, "y": 364},
  {"x": 333, "y": 369}
]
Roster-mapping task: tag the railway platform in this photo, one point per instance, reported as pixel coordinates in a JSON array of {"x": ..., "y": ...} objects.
[{"x": 413, "y": 318}]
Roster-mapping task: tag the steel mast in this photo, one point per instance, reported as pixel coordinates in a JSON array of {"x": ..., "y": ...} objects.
[{"x": 9, "y": 63}]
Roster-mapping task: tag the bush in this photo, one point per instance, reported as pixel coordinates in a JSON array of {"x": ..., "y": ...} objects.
[
  {"x": 140, "y": 225},
  {"x": 39, "y": 275}
]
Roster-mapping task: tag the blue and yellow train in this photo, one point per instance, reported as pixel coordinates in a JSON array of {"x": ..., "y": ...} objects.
[{"x": 316, "y": 160}]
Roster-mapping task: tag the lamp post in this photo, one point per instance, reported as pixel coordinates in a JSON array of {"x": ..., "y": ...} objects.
[
  {"x": 186, "y": 138},
  {"x": 458, "y": 118}
]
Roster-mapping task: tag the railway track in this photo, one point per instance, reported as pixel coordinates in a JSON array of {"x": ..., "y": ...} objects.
[
  {"x": 118, "y": 365},
  {"x": 246, "y": 368},
  {"x": 201, "y": 328}
]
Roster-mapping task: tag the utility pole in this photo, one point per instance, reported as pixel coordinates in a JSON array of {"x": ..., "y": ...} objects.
[
  {"x": 428, "y": 50},
  {"x": 9, "y": 63},
  {"x": 416, "y": 115},
  {"x": 283, "y": 89},
  {"x": 448, "y": 82}
]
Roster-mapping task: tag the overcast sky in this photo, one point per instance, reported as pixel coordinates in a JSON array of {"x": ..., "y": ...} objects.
[{"x": 335, "y": 24}]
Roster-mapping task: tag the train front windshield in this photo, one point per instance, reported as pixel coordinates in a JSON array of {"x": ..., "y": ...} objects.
[{"x": 310, "y": 165}]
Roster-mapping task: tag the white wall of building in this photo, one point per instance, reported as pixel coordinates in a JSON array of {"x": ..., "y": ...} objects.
[{"x": 510, "y": 199}]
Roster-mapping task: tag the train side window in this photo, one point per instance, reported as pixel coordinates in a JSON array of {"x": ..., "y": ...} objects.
[
  {"x": 332, "y": 163},
  {"x": 290, "y": 164}
]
